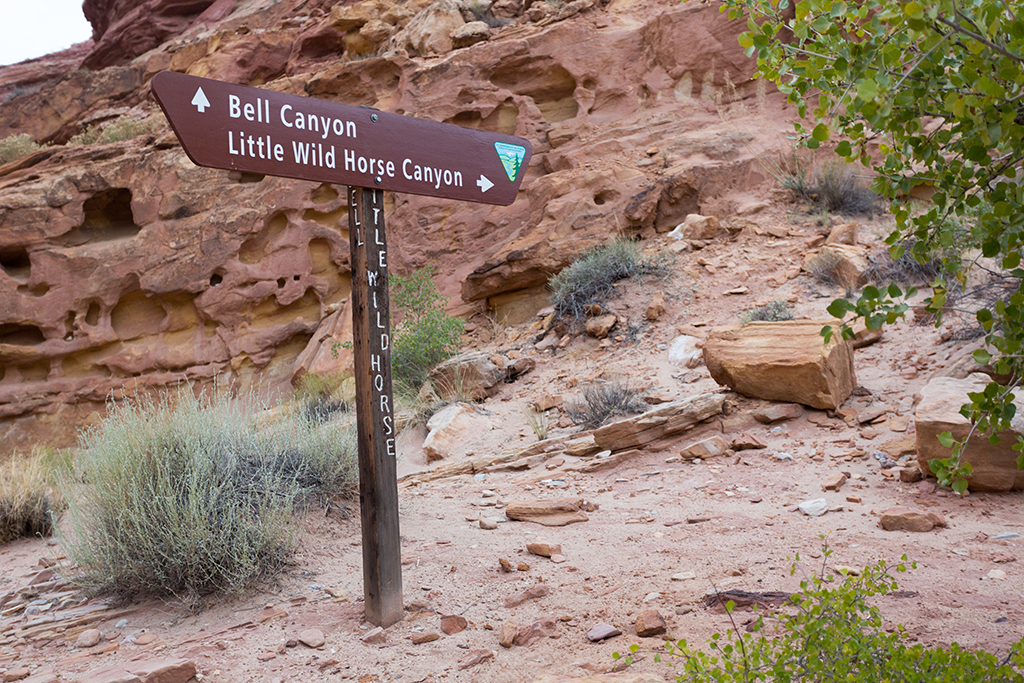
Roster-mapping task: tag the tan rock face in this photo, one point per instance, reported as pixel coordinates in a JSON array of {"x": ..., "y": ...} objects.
[
  {"x": 908, "y": 519},
  {"x": 782, "y": 361},
  {"x": 995, "y": 465},
  {"x": 451, "y": 429}
]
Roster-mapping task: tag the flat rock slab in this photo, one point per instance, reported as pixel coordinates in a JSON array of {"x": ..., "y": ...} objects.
[
  {"x": 544, "y": 549},
  {"x": 602, "y": 631},
  {"x": 908, "y": 519},
  {"x": 312, "y": 637},
  {"x": 476, "y": 657},
  {"x": 783, "y": 361},
  {"x": 557, "y": 512},
  {"x": 538, "y": 630},
  {"x": 164, "y": 670}
]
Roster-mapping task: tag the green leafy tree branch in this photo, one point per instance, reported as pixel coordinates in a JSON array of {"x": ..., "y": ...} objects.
[{"x": 926, "y": 93}]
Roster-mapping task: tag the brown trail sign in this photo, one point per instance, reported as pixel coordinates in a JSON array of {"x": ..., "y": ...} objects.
[{"x": 241, "y": 128}]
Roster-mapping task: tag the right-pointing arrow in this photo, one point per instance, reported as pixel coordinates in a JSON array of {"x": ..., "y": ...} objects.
[
  {"x": 484, "y": 184},
  {"x": 200, "y": 101}
]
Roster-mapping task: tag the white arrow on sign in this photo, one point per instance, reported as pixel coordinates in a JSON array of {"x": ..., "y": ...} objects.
[
  {"x": 200, "y": 101},
  {"x": 484, "y": 184}
]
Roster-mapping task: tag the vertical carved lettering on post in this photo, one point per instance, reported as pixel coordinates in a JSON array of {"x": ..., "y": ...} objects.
[{"x": 371, "y": 345}]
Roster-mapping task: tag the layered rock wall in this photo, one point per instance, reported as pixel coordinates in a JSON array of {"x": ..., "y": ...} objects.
[{"x": 126, "y": 264}]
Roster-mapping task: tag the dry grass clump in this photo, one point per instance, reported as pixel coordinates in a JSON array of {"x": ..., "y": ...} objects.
[
  {"x": 187, "y": 496},
  {"x": 591, "y": 278},
  {"x": 28, "y": 499},
  {"x": 122, "y": 128},
  {"x": 601, "y": 401},
  {"x": 838, "y": 188},
  {"x": 774, "y": 311},
  {"x": 825, "y": 267},
  {"x": 17, "y": 146}
]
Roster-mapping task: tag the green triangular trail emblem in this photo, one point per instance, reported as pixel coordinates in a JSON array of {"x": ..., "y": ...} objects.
[{"x": 511, "y": 158}]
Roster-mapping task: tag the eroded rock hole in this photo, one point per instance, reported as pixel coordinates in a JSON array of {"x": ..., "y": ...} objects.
[
  {"x": 216, "y": 279},
  {"x": 92, "y": 314},
  {"x": 21, "y": 335},
  {"x": 281, "y": 282},
  {"x": 246, "y": 177},
  {"x": 254, "y": 248},
  {"x": 550, "y": 86},
  {"x": 108, "y": 216},
  {"x": 136, "y": 315},
  {"x": 15, "y": 262},
  {"x": 604, "y": 197}
]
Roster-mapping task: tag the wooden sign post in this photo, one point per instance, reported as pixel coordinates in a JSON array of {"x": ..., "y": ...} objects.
[
  {"x": 375, "y": 415},
  {"x": 240, "y": 128}
]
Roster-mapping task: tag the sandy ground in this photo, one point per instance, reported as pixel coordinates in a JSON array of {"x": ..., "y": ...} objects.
[{"x": 622, "y": 560}]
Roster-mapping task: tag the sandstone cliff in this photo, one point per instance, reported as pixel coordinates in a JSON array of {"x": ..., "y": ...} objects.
[{"x": 124, "y": 265}]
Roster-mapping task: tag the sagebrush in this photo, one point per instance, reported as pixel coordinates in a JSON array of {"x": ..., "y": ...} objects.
[
  {"x": 28, "y": 496},
  {"x": 774, "y": 311},
  {"x": 591, "y": 278},
  {"x": 186, "y": 496},
  {"x": 121, "y": 128},
  {"x": 601, "y": 401},
  {"x": 15, "y": 147}
]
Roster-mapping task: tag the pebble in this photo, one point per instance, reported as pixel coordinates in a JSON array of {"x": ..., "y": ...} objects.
[
  {"x": 479, "y": 477},
  {"x": 121, "y": 624},
  {"x": 487, "y": 493},
  {"x": 420, "y": 638},
  {"x": 814, "y": 508},
  {"x": 544, "y": 549},
  {"x": 997, "y": 574},
  {"x": 88, "y": 638},
  {"x": 1005, "y": 535},
  {"x": 558, "y": 558},
  {"x": 602, "y": 631},
  {"x": 782, "y": 455},
  {"x": 508, "y": 633},
  {"x": 452, "y": 624},
  {"x": 684, "y": 576},
  {"x": 651, "y": 597},
  {"x": 312, "y": 637},
  {"x": 145, "y": 639},
  {"x": 650, "y": 623},
  {"x": 487, "y": 523},
  {"x": 376, "y": 636}
]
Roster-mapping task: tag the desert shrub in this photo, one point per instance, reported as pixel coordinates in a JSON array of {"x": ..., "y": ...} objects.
[
  {"x": 825, "y": 268},
  {"x": 773, "y": 311},
  {"x": 602, "y": 401},
  {"x": 836, "y": 187},
  {"x": 187, "y": 496},
  {"x": 122, "y": 128},
  {"x": 28, "y": 498},
  {"x": 17, "y": 146},
  {"x": 321, "y": 397},
  {"x": 425, "y": 334},
  {"x": 830, "y": 632},
  {"x": 591, "y": 278}
]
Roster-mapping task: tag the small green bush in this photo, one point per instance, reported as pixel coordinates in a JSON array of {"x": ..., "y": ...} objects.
[
  {"x": 830, "y": 633},
  {"x": 601, "y": 401},
  {"x": 773, "y": 311},
  {"x": 122, "y": 128},
  {"x": 591, "y": 278},
  {"x": 187, "y": 496},
  {"x": 425, "y": 334},
  {"x": 17, "y": 146}
]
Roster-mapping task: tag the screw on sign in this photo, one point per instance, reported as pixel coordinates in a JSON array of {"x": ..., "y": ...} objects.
[{"x": 235, "y": 127}]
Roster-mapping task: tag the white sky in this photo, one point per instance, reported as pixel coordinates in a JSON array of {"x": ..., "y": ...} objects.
[{"x": 34, "y": 29}]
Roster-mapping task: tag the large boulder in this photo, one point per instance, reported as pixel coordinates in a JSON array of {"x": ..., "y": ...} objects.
[
  {"x": 476, "y": 374},
  {"x": 994, "y": 465},
  {"x": 783, "y": 361},
  {"x": 453, "y": 430}
]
